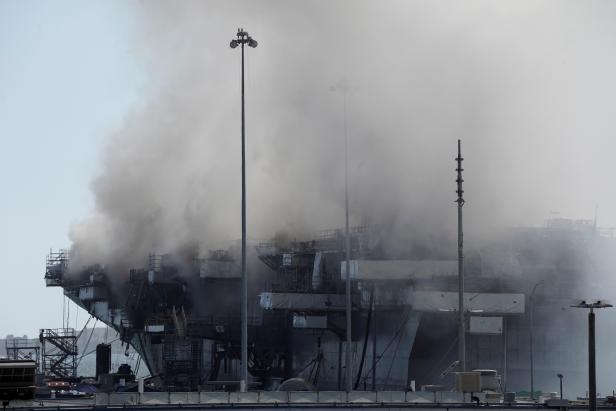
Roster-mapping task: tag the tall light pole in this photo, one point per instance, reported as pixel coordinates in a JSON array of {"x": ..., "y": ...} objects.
[
  {"x": 244, "y": 39},
  {"x": 531, "y": 309},
  {"x": 460, "y": 201},
  {"x": 592, "y": 365},
  {"x": 344, "y": 87}
]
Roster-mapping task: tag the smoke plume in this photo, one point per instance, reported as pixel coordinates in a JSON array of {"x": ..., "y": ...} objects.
[{"x": 525, "y": 85}]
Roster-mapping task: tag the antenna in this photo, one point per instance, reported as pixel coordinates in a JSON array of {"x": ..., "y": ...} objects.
[{"x": 460, "y": 201}]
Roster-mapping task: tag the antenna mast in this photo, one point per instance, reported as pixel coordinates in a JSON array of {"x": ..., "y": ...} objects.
[{"x": 460, "y": 201}]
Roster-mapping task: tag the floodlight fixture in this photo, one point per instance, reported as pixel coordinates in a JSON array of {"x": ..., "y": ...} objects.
[
  {"x": 592, "y": 304},
  {"x": 243, "y": 38}
]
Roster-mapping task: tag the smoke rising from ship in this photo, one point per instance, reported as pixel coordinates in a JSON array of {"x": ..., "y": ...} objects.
[
  {"x": 526, "y": 86},
  {"x": 425, "y": 75}
]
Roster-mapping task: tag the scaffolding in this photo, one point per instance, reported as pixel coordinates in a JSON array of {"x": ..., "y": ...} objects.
[
  {"x": 55, "y": 267},
  {"x": 183, "y": 362},
  {"x": 22, "y": 349},
  {"x": 59, "y": 352}
]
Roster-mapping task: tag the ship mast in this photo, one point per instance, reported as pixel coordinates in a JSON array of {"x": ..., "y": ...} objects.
[{"x": 460, "y": 201}]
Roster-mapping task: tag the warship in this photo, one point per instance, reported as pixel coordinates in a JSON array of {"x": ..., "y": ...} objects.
[{"x": 181, "y": 312}]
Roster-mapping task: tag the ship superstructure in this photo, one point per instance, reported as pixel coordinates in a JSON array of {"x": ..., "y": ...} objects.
[{"x": 182, "y": 313}]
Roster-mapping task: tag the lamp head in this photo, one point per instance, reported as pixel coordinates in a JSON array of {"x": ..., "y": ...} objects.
[
  {"x": 233, "y": 44},
  {"x": 252, "y": 42},
  {"x": 592, "y": 304},
  {"x": 580, "y": 304},
  {"x": 602, "y": 304}
]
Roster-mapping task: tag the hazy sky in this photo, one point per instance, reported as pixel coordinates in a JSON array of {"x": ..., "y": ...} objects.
[
  {"x": 67, "y": 79},
  {"x": 109, "y": 88}
]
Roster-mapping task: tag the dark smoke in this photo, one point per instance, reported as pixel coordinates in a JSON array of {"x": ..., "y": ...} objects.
[
  {"x": 516, "y": 81},
  {"x": 526, "y": 85}
]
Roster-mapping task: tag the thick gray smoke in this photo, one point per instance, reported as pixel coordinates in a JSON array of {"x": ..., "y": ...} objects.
[
  {"x": 524, "y": 84},
  {"x": 527, "y": 85}
]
